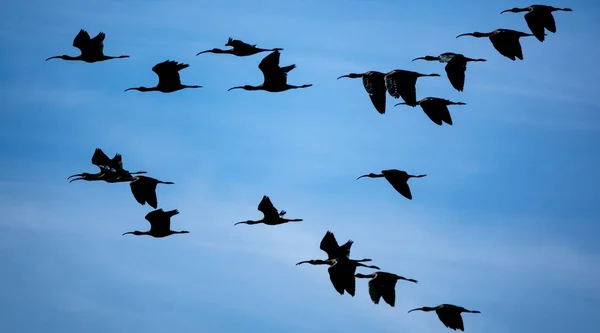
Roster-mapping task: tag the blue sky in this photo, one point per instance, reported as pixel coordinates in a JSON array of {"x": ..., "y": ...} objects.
[{"x": 505, "y": 222}]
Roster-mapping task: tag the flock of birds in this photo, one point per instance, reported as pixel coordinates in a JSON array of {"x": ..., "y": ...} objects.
[{"x": 398, "y": 83}]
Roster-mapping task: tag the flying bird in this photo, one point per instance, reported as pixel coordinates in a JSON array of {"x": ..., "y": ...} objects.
[
  {"x": 539, "y": 17},
  {"x": 455, "y": 68},
  {"x": 374, "y": 83},
  {"x": 271, "y": 216},
  {"x": 275, "y": 77},
  {"x": 160, "y": 224},
  {"x": 330, "y": 246},
  {"x": 110, "y": 169},
  {"x": 92, "y": 50},
  {"x": 168, "y": 78},
  {"x": 397, "y": 178},
  {"x": 143, "y": 188},
  {"x": 436, "y": 109},
  {"x": 402, "y": 83},
  {"x": 505, "y": 41},
  {"x": 449, "y": 315},
  {"x": 239, "y": 49},
  {"x": 383, "y": 284},
  {"x": 341, "y": 272}
]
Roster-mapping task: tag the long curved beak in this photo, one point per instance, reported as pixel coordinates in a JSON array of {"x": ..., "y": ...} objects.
[
  {"x": 468, "y": 34},
  {"x": 77, "y": 175},
  {"x": 423, "y": 58},
  {"x": 301, "y": 262},
  {"x": 400, "y": 104},
  {"x": 414, "y": 310},
  {"x": 130, "y": 89},
  {"x": 361, "y": 177},
  {"x": 343, "y": 76},
  {"x": 55, "y": 57},
  {"x": 504, "y": 11},
  {"x": 199, "y": 53},
  {"x": 243, "y": 222},
  {"x": 129, "y": 232},
  {"x": 239, "y": 87}
]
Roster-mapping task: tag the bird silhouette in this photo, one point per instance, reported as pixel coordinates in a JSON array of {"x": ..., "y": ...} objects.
[
  {"x": 270, "y": 214},
  {"x": 168, "y": 78},
  {"x": 92, "y": 50},
  {"x": 374, "y": 83},
  {"x": 275, "y": 77},
  {"x": 383, "y": 284},
  {"x": 330, "y": 246},
  {"x": 449, "y": 315},
  {"x": 239, "y": 49},
  {"x": 341, "y": 272},
  {"x": 436, "y": 109},
  {"x": 455, "y": 68},
  {"x": 110, "y": 169},
  {"x": 143, "y": 188},
  {"x": 505, "y": 41},
  {"x": 397, "y": 178},
  {"x": 539, "y": 17},
  {"x": 160, "y": 224},
  {"x": 402, "y": 83}
]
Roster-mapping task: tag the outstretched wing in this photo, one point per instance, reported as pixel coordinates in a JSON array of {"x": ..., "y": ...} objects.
[
  {"x": 144, "y": 191},
  {"x": 374, "y": 84},
  {"x": 432, "y": 110},
  {"x": 536, "y": 21},
  {"x": 400, "y": 84},
  {"x": 159, "y": 219},
  {"x": 455, "y": 69},
  {"x": 272, "y": 73},
  {"x": 97, "y": 43},
  {"x": 168, "y": 72},
  {"x": 342, "y": 277},
  {"x": 329, "y": 245},
  {"x": 507, "y": 45},
  {"x": 374, "y": 290},
  {"x": 267, "y": 208},
  {"x": 451, "y": 319},
  {"x": 398, "y": 183},
  {"x": 82, "y": 41},
  {"x": 100, "y": 159}
]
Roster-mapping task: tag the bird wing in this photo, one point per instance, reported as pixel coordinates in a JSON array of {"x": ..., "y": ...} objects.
[
  {"x": 144, "y": 191},
  {"x": 97, "y": 43},
  {"x": 100, "y": 159},
  {"x": 374, "y": 290},
  {"x": 267, "y": 208},
  {"x": 159, "y": 220},
  {"x": 536, "y": 21},
  {"x": 341, "y": 275},
  {"x": 272, "y": 73},
  {"x": 345, "y": 248},
  {"x": 398, "y": 84},
  {"x": 374, "y": 84},
  {"x": 432, "y": 110},
  {"x": 455, "y": 69},
  {"x": 168, "y": 72},
  {"x": 399, "y": 184},
  {"x": 450, "y": 319},
  {"x": 549, "y": 22},
  {"x": 82, "y": 41},
  {"x": 507, "y": 45}
]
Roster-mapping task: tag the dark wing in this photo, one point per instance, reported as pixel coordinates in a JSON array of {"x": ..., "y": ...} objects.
[
  {"x": 267, "y": 208},
  {"x": 399, "y": 84},
  {"x": 82, "y": 41},
  {"x": 118, "y": 161},
  {"x": 272, "y": 73},
  {"x": 388, "y": 291},
  {"x": 144, "y": 191},
  {"x": 536, "y": 21},
  {"x": 451, "y": 319},
  {"x": 345, "y": 248},
  {"x": 341, "y": 275},
  {"x": 374, "y": 290},
  {"x": 329, "y": 245},
  {"x": 374, "y": 84},
  {"x": 455, "y": 69},
  {"x": 399, "y": 184},
  {"x": 168, "y": 72},
  {"x": 159, "y": 220},
  {"x": 100, "y": 159},
  {"x": 97, "y": 43},
  {"x": 444, "y": 114},
  {"x": 507, "y": 45},
  {"x": 549, "y": 22}
]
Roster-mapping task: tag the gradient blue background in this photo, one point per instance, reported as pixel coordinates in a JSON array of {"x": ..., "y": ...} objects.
[{"x": 505, "y": 222}]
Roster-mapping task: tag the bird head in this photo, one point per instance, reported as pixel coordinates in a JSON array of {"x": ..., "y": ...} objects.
[
  {"x": 81, "y": 176},
  {"x": 351, "y": 75},
  {"x": 63, "y": 57},
  {"x": 513, "y": 10},
  {"x": 142, "y": 89},
  {"x": 428, "y": 58},
  {"x": 245, "y": 87},
  {"x": 475, "y": 34},
  {"x": 425, "y": 308},
  {"x": 137, "y": 233}
]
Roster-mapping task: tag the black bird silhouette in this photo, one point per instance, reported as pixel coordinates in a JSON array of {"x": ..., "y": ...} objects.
[
  {"x": 505, "y": 41},
  {"x": 271, "y": 216},
  {"x": 275, "y": 77},
  {"x": 436, "y": 109},
  {"x": 374, "y": 83},
  {"x": 455, "y": 68},
  {"x": 341, "y": 272},
  {"x": 143, "y": 188},
  {"x": 383, "y": 284},
  {"x": 239, "y": 49},
  {"x": 449, "y": 315},
  {"x": 330, "y": 246},
  {"x": 402, "y": 83},
  {"x": 92, "y": 50},
  {"x": 168, "y": 78},
  {"x": 538, "y": 18},
  {"x": 160, "y": 224},
  {"x": 397, "y": 178},
  {"x": 109, "y": 168}
]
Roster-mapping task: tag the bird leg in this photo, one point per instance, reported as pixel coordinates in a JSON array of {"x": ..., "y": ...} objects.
[{"x": 417, "y": 176}]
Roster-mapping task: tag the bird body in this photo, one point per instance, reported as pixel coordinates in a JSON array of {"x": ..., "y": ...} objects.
[
  {"x": 505, "y": 41},
  {"x": 539, "y": 18},
  {"x": 239, "y": 49},
  {"x": 341, "y": 272},
  {"x": 275, "y": 77},
  {"x": 168, "y": 78},
  {"x": 374, "y": 84},
  {"x": 160, "y": 224},
  {"x": 436, "y": 109},
  {"x": 383, "y": 284},
  {"x": 455, "y": 68},
  {"x": 397, "y": 178},
  {"x": 402, "y": 84},
  {"x": 92, "y": 49},
  {"x": 448, "y": 314},
  {"x": 270, "y": 214}
]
